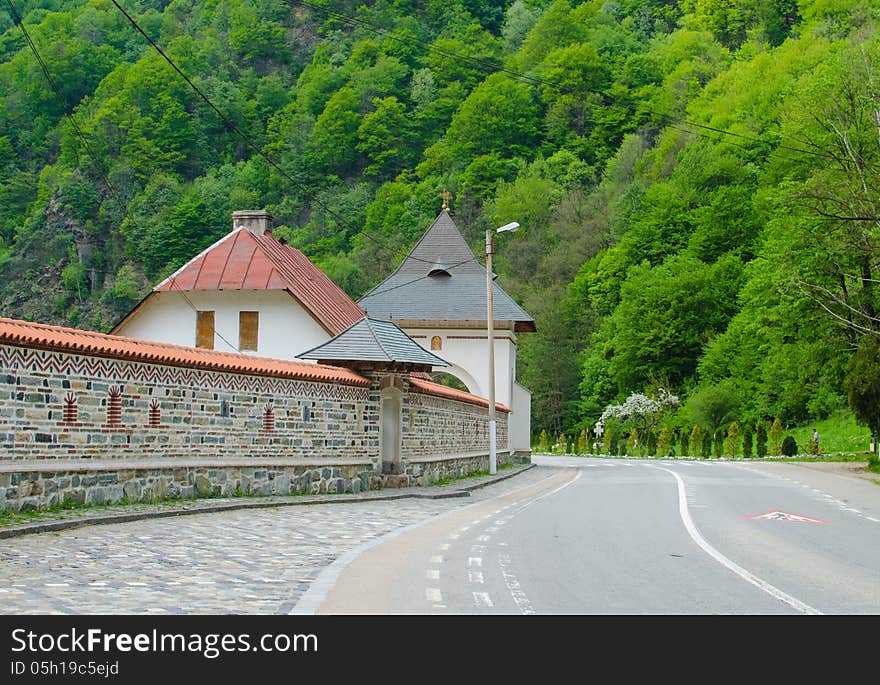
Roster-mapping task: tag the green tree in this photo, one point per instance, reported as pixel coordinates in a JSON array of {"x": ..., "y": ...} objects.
[
  {"x": 382, "y": 138},
  {"x": 862, "y": 384},
  {"x": 500, "y": 115}
]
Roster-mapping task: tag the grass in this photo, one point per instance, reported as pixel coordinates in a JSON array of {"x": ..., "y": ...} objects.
[
  {"x": 472, "y": 474},
  {"x": 838, "y": 433}
]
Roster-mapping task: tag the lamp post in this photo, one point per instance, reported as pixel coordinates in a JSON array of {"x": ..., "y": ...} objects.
[{"x": 490, "y": 325}]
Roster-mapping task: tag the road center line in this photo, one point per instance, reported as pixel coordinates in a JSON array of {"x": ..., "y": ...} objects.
[{"x": 723, "y": 560}]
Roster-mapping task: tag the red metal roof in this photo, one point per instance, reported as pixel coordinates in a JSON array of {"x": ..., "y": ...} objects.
[
  {"x": 75, "y": 341},
  {"x": 429, "y": 388},
  {"x": 245, "y": 261}
]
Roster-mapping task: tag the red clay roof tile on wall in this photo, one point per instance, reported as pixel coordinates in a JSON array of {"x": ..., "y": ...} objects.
[
  {"x": 75, "y": 341},
  {"x": 245, "y": 261},
  {"x": 416, "y": 384}
]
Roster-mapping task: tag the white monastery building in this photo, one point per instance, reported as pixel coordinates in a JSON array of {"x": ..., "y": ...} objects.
[
  {"x": 247, "y": 293},
  {"x": 250, "y": 293},
  {"x": 438, "y": 297}
]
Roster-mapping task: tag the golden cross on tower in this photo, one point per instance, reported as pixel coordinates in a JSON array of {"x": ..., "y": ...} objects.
[{"x": 447, "y": 197}]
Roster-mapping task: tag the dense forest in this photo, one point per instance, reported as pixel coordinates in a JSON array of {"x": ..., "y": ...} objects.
[{"x": 696, "y": 179}]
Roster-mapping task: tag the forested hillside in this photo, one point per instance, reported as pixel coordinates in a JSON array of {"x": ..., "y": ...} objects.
[{"x": 696, "y": 180}]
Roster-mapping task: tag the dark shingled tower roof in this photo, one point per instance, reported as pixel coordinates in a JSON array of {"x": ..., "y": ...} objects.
[
  {"x": 441, "y": 280},
  {"x": 374, "y": 342}
]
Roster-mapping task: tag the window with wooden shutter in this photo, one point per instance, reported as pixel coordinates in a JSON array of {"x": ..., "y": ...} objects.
[
  {"x": 205, "y": 330},
  {"x": 248, "y": 327}
]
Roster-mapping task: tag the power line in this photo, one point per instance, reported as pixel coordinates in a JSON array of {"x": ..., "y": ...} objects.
[
  {"x": 81, "y": 135},
  {"x": 231, "y": 125},
  {"x": 180, "y": 290},
  {"x": 415, "y": 280}
]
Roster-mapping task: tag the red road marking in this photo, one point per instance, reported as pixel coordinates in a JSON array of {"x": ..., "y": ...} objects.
[{"x": 777, "y": 515}]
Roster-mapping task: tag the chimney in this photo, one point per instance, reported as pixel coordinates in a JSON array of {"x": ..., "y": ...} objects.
[{"x": 257, "y": 221}]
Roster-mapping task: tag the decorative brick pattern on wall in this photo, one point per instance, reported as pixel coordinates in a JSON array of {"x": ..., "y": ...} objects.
[
  {"x": 118, "y": 403},
  {"x": 432, "y": 425},
  {"x": 174, "y": 428}
]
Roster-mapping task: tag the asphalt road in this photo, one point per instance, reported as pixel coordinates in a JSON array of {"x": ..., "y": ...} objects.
[{"x": 593, "y": 536}]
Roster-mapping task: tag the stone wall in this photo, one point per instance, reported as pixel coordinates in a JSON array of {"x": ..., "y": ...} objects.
[
  {"x": 432, "y": 424},
  {"x": 61, "y": 406},
  {"x": 131, "y": 482},
  {"x": 78, "y": 429}
]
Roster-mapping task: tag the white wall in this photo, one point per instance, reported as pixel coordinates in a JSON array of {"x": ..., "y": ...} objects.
[
  {"x": 519, "y": 425},
  {"x": 285, "y": 329},
  {"x": 468, "y": 350}
]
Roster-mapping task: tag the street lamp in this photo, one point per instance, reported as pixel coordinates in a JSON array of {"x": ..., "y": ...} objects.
[{"x": 490, "y": 324}]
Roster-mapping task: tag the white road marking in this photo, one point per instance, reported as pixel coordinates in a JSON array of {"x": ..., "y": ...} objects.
[
  {"x": 437, "y": 559},
  {"x": 444, "y": 546},
  {"x": 432, "y": 594},
  {"x": 519, "y": 597},
  {"x": 871, "y": 518},
  {"x": 320, "y": 586},
  {"x": 475, "y": 576},
  {"x": 724, "y": 561},
  {"x": 482, "y": 599},
  {"x": 484, "y": 538},
  {"x": 433, "y": 574},
  {"x": 475, "y": 562}
]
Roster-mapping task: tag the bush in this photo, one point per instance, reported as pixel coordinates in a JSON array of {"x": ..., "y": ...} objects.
[
  {"x": 789, "y": 446},
  {"x": 719, "y": 443}
]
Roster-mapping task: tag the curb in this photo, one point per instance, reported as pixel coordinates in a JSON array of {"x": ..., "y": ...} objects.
[{"x": 51, "y": 526}]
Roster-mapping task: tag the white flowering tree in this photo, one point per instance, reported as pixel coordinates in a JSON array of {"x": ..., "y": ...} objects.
[{"x": 639, "y": 411}]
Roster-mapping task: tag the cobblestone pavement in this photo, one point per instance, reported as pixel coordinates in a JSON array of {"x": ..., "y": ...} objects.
[{"x": 257, "y": 561}]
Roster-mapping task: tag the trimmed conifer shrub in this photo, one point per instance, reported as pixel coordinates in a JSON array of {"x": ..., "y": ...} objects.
[
  {"x": 776, "y": 438},
  {"x": 696, "y": 442},
  {"x": 789, "y": 446},
  {"x": 651, "y": 442},
  {"x": 747, "y": 441},
  {"x": 544, "y": 442},
  {"x": 731, "y": 443},
  {"x": 663, "y": 442},
  {"x": 706, "y": 450},
  {"x": 761, "y": 440}
]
